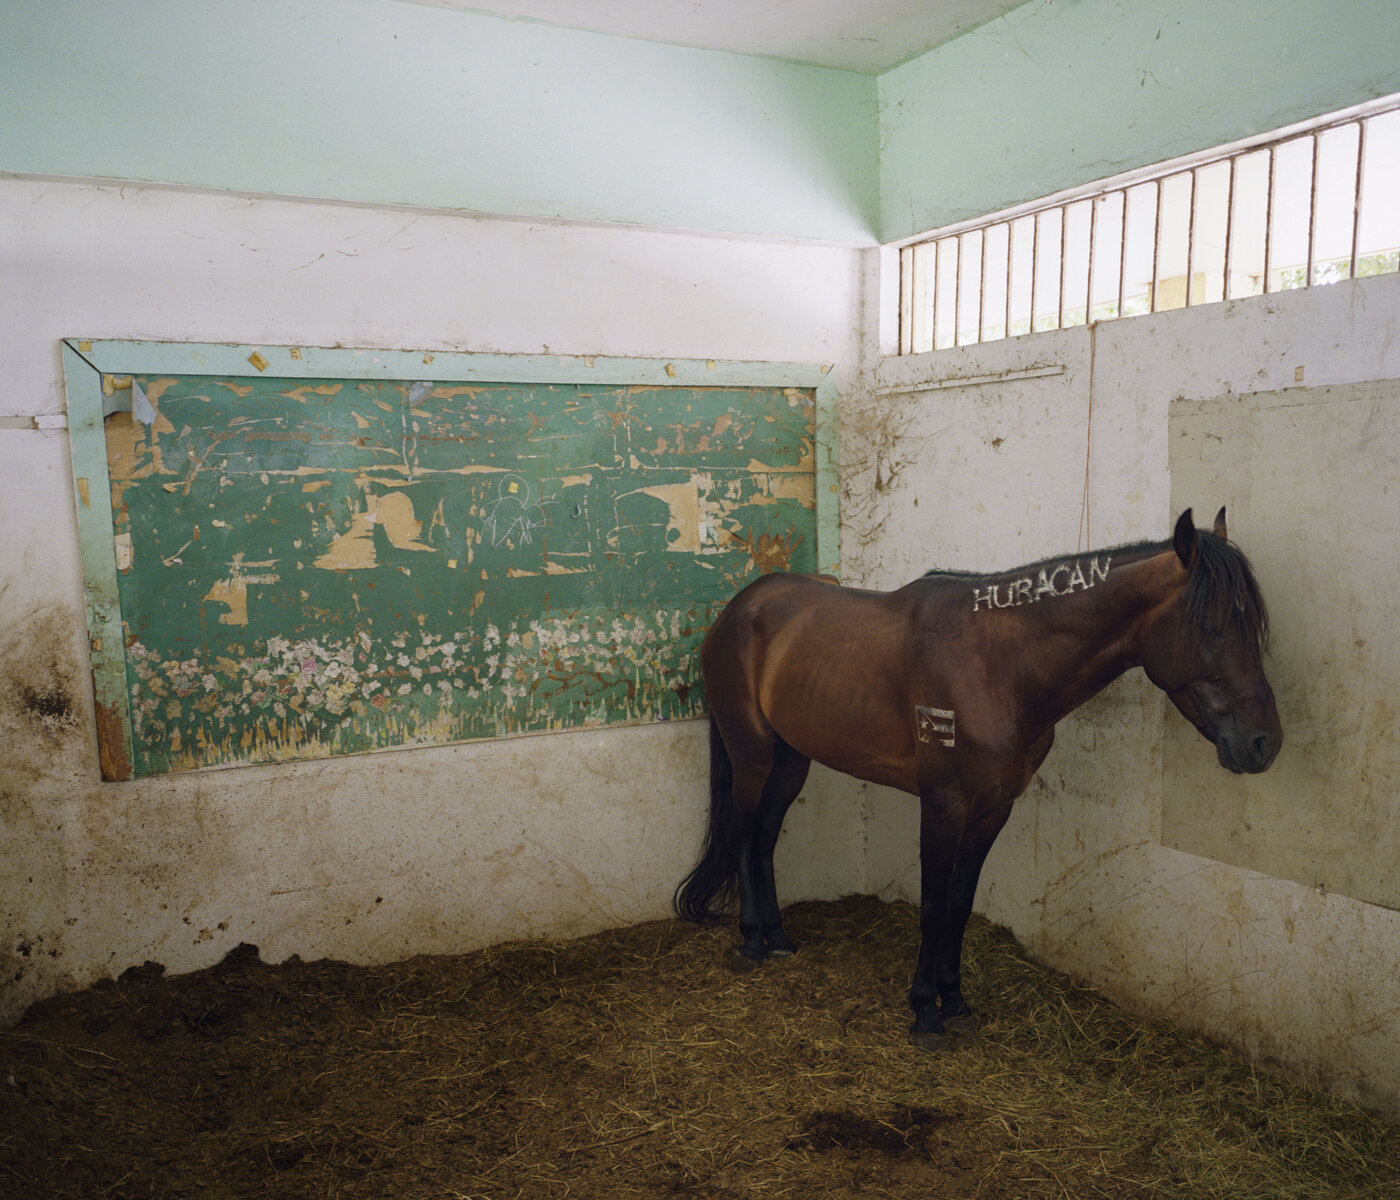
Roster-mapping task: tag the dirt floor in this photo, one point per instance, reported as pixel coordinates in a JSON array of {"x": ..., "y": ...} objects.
[{"x": 635, "y": 1064}]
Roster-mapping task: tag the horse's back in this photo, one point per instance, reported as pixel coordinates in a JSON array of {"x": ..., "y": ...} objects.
[
  {"x": 757, "y": 613},
  {"x": 783, "y": 605}
]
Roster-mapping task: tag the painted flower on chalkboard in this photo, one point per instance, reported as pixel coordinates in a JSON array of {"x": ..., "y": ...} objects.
[{"x": 363, "y": 691}]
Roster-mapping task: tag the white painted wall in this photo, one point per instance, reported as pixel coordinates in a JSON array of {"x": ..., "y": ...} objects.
[
  {"x": 994, "y": 475},
  {"x": 374, "y": 857}
]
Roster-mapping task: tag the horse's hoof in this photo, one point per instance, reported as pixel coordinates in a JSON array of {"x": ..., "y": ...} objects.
[
  {"x": 963, "y": 1023},
  {"x": 780, "y": 946},
  {"x": 935, "y": 1043},
  {"x": 742, "y": 963}
]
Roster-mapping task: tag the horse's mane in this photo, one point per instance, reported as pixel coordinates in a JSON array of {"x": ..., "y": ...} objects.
[{"x": 1221, "y": 587}]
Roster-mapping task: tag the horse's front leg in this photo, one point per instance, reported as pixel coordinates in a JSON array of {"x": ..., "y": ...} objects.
[{"x": 952, "y": 850}]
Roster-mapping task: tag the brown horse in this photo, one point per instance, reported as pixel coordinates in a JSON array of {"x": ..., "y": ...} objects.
[{"x": 949, "y": 689}]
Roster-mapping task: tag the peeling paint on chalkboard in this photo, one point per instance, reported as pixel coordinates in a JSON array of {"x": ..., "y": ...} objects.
[{"x": 327, "y": 566}]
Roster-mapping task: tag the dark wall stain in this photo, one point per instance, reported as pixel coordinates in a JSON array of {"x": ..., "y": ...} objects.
[
  {"x": 50, "y": 705},
  {"x": 42, "y": 701}
]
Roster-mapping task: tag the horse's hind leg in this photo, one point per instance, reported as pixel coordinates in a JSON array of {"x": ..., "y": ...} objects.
[
  {"x": 785, "y": 780},
  {"x": 767, "y": 775},
  {"x": 752, "y": 756}
]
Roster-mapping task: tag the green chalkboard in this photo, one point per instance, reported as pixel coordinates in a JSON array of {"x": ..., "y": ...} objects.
[{"x": 314, "y": 566}]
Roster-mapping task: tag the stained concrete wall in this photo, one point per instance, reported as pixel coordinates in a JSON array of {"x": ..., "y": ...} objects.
[
  {"x": 1314, "y": 472},
  {"x": 374, "y": 857},
  {"x": 991, "y": 475}
]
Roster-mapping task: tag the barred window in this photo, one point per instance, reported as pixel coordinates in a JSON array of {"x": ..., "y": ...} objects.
[{"x": 1312, "y": 204}]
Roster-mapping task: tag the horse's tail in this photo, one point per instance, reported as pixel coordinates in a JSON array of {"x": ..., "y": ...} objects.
[{"x": 707, "y": 892}]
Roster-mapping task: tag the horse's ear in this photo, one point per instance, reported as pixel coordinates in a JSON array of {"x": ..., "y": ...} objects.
[
  {"x": 1219, "y": 529},
  {"x": 1184, "y": 539}
]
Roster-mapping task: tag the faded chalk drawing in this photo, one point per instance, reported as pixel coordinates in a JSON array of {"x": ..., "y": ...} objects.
[
  {"x": 322, "y": 567},
  {"x": 513, "y": 516}
]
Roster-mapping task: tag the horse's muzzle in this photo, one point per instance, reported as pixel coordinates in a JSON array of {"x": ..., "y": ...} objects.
[{"x": 1250, "y": 754}]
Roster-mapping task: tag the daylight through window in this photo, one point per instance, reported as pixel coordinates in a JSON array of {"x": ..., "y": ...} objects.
[{"x": 1313, "y": 204}]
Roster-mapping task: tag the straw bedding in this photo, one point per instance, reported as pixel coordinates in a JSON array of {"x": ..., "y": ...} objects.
[{"x": 633, "y": 1063}]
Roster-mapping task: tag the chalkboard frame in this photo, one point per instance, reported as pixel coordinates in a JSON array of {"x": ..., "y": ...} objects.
[{"x": 98, "y": 377}]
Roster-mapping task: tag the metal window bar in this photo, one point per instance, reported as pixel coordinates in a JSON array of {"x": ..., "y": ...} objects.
[
  {"x": 1190, "y": 240},
  {"x": 1312, "y": 214},
  {"x": 1229, "y": 229},
  {"x": 1035, "y": 268},
  {"x": 1156, "y": 242},
  {"x": 1011, "y": 258},
  {"x": 1089, "y": 265},
  {"x": 982, "y": 290},
  {"x": 1123, "y": 252},
  {"x": 957, "y": 284},
  {"x": 919, "y": 332},
  {"x": 1157, "y": 245},
  {"x": 1356, "y": 198},
  {"x": 1269, "y": 220},
  {"x": 1060, "y": 291}
]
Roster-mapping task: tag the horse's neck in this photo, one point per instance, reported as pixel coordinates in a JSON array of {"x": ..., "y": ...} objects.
[{"x": 1078, "y": 643}]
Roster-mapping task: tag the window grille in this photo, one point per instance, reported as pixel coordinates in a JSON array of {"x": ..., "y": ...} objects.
[{"x": 1313, "y": 204}]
